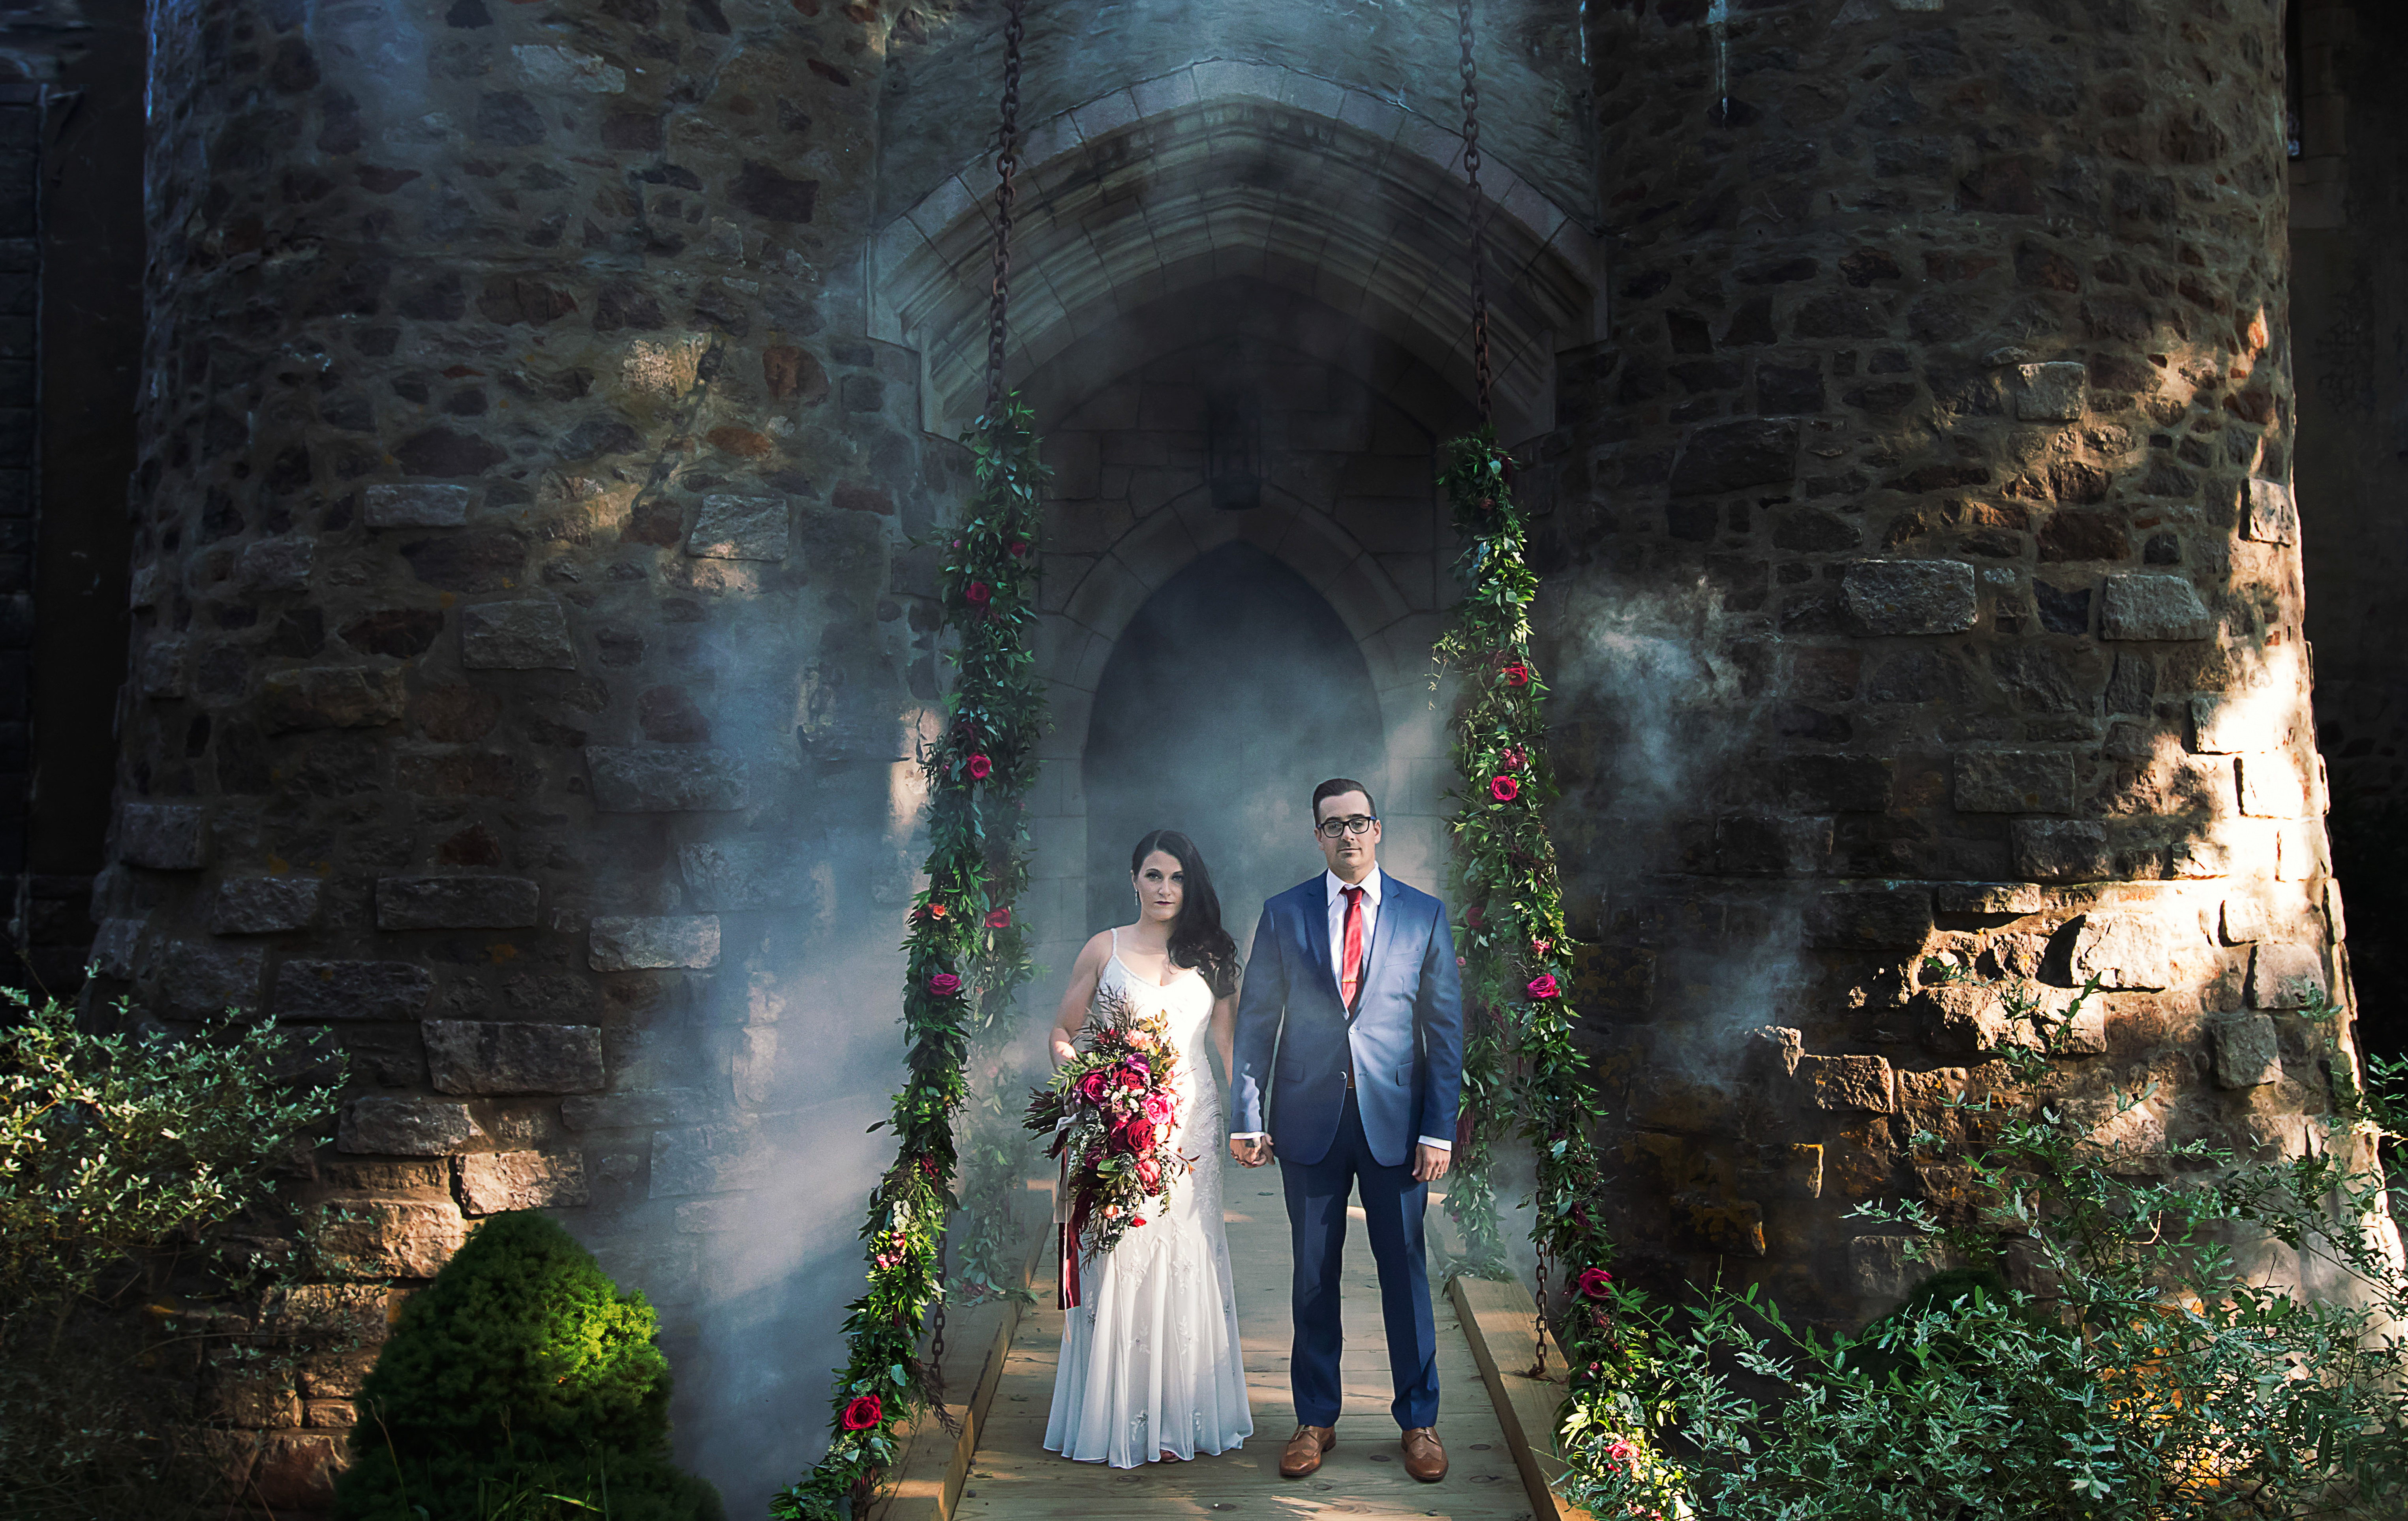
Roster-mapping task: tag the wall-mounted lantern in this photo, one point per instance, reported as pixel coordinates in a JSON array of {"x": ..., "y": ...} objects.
[{"x": 1233, "y": 449}]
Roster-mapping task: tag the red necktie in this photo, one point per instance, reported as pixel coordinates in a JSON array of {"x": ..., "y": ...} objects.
[{"x": 1350, "y": 973}]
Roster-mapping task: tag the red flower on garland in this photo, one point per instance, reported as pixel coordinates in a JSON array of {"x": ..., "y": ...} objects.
[
  {"x": 1543, "y": 986},
  {"x": 927, "y": 1167},
  {"x": 945, "y": 985},
  {"x": 935, "y": 910},
  {"x": 1504, "y": 788},
  {"x": 977, "y": 594},
  {"x": 1019, "y": 546},
  {"x": 998, "y": 919},
  {"x": 1594, "y": 1283},
  {"x": 1513, "y": 757},
  {"x": 1516, "y": 673},
  {"x": 978, "y": 768},
  {"x": 863, "y": 1412},
  {"x": 1477, "y": 916},
  {"x": 1540, "y": 948}
]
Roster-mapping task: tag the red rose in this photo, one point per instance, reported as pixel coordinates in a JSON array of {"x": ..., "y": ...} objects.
[
  {"x": 977, "y": 592},
  {"x": 1093, "y": 1087},
  {"x": 1513, "y": 755},
  {"x": 1504, "y": 788},
  {"x": 1019, "y": 546},
  {"x": 1593, "y": 1281},
  {"x": 936, "y": 910},
  {"x": 1135, "y": 1076},
  {"x": 945, "y": 985},
  {"x": 998, "y": 919},
  {"x": 1140, "y": 1134},
  {"x": 1478, "y": 916},
  {"x": 1516, "y": 673},
  {"x": 862, "y": 1412},
  {"x": 979, "y": 767},
  {"x": 1543, "y": 986}
]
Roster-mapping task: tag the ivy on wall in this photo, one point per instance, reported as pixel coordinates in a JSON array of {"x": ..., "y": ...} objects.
[
  {"x": 965, "y": 953},
  {"x": 1521, "y": 1067}
]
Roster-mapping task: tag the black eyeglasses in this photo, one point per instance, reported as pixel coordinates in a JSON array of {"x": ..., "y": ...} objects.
[{"x": 1358, "y": 825}]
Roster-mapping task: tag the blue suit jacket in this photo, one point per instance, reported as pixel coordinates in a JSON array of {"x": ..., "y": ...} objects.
[{"x": 1406, "y": 1035}]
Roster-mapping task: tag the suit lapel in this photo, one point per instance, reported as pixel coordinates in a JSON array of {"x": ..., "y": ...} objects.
[
  {"x": 1383, "y": 934},
  {"x": 1315, "y": 908}
]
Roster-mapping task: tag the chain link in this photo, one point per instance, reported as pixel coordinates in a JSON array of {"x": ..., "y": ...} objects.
[
  {"x": 1478, "y": 211},
  {"x": 1538, "y": 1368},
  {"x": 1006, "y": 163},
  {"x": 936, "y": 1330}
]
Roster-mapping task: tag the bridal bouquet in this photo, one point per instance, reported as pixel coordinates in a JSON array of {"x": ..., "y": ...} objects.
[{"x": 1110, "y": 1110}]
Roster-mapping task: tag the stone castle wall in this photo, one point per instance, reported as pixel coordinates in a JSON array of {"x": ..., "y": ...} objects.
[{"x": 530, "y": 634}]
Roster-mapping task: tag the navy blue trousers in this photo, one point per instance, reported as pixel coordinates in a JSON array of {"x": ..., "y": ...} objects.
[{"x": 1391, "y": 1210}]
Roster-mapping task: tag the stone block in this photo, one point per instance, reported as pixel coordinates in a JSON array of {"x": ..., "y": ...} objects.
[
  {"x": 1989, "y": 897},
  {"x": 2241, "y": 920},
  {"x": 1849, "y": 1084},
  {"x": 706, "y": 1159},
  {"x": 337, "y": 1376},
  {"x": 736, "y": 876},
  {"x": 2142, "y": 605},
  {"x": 2269, "y": 516},
  {"x": 330, "y": 1415},
  {"x": 412, "y": 505},
  {"x": 2284, "y": 975},
  {"x": 665, "y": 780},
  {"x": 1733, "y": 456},
  {"x": 296, "y": 1471},
  {"x": 516, "y": 635},
  {"x": 1882, "y": 1269},
  {"x": 2271, "y": 786},
  {"x": 627, "y": 943},
  {"x": 1889, "y": 916},
  {"x": 1720, "y": 1223},
  {"x": 1836, "y": 783},
  {"x": 2231, "y": 724},
  {"x": 2132, "y": 949},
  {"x": 716, "y": 1216},
  {"x": 165, "y": 837},
  {"x": 739, "y": 529},
  {"x": 492, "y": 1182},
  {"x": 639, "y": 1109},
  {"x": 265, "y": 905},
  {"x": 456, "y": 902},
  {"x": 2051, "y": 393},
  {"x": 2061, "y": 850},
  {"x": 480, "y": 1057},
  {"x": 2248, "y": 1050},
  {"x": 2199, "y": 859},
  {"x": 378, "y": 1127},
  {"x": 391, "y": 1238},
  {"x": 203, "y": 980},
  {"x": 114, "y": 948},
  {"x": 143, "y": 591},
  {"x": 276, "y": 564},
  {"x": 1909, "y": 597},
  {"x": 2014, "y": 781},
  {"x": 358, "y": 1313},
  {"x": 332, "y": 697},
  {"x": 161, "y": 668},
  {"x": 309, "y": 991}
]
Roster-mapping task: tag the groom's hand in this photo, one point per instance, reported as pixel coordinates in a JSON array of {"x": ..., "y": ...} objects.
[
  {"x": 1250, "y": 1150},
  {"x": 1430, "y": 1163}
]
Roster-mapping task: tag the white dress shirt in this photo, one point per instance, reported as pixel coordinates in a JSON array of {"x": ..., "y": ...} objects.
[{"x": 1373, "y": 884}]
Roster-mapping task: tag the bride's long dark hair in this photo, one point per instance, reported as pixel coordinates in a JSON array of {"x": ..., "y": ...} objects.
[{"x": 1197, "y": 937}]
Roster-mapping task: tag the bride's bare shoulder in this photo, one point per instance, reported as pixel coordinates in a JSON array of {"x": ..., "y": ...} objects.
[{"x": 1097, "y": 950}]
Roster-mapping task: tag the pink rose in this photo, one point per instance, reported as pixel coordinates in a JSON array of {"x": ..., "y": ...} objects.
[
  {"x": 945, "y": 985},
  {"x": 1158, "y": 1109},
  {"x": 979, "y": 767},
  {"x": 1094, "y": 1087},
  {"x": 1543, "y": 986},
  {"x": 998, "y": 919},
  {"x": 978, "y": 592},
  {"x": 1594, "y": 1283},
  {"x": 1504, "y": 788},
  {"x": 1149, "y": 1173}
]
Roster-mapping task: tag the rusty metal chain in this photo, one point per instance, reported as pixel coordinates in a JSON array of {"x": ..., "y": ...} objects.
[
  {"x": 1539, "y": 1368},
  {"x": 1478, "y": 211},
  {"x": 936, "y": 1330},
  {"x": 1006, "y": 163}
]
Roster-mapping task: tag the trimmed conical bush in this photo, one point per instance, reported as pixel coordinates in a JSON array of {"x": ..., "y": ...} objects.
[{"x": 521, "y": 1382}]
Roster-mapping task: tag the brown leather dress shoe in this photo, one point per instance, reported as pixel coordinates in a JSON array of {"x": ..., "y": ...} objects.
[
  {"x": 1305, "y": 1448},
  {"x": 1425, "y": 1458}
]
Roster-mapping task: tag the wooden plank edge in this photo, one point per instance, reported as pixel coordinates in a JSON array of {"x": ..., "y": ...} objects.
[
  {"x": 1499, "y": 1321},
  {"x": 926, "y": 1480}
]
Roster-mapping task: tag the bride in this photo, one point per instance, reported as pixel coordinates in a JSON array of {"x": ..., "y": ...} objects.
[{"x": 1150, "y": 1362}]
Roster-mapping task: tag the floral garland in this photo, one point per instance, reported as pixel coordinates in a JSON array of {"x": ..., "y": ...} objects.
[
  {"x": 1520, "y": 1063},
  {"x": 965, "y": 953}
]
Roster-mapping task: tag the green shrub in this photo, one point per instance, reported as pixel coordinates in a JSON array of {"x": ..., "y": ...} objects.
[
  {"x": 2141, "y": 1375},
  {"x": 521, "y": 1382},
  {"x": 134, "y": 1170}
]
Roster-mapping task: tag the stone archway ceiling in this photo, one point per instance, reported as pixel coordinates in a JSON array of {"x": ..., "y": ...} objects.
[{"x": 1362, "y": 211}]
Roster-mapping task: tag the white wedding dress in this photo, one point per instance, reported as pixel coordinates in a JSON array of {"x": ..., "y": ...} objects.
[{"x": 1150, "y": 1361}]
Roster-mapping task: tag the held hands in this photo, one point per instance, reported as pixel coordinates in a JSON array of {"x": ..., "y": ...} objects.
[
  {"x": 1430, "y": 1163},
  {"x": 1250, "y": 1150}
]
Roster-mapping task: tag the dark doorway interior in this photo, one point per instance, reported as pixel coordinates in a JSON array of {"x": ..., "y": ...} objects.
[{"x": 1234, "y": 690}]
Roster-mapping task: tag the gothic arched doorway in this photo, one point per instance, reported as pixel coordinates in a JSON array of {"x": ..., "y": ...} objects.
[{"x": 1232, "y": 692}]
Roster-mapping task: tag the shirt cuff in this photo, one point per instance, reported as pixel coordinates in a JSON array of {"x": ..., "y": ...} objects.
[
  {"x": 1433, "y": 1141},
  {"x": 1249, "y": 1135}
]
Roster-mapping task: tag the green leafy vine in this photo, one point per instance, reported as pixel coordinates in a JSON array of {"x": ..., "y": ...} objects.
[{"x": 965, "y": 953}]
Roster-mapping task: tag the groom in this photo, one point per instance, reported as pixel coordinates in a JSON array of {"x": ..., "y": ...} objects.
[{"x": 1353, "y": 984}]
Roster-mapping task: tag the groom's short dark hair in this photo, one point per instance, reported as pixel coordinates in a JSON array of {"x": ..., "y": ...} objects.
[{"x": 1339, "y": 786}]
